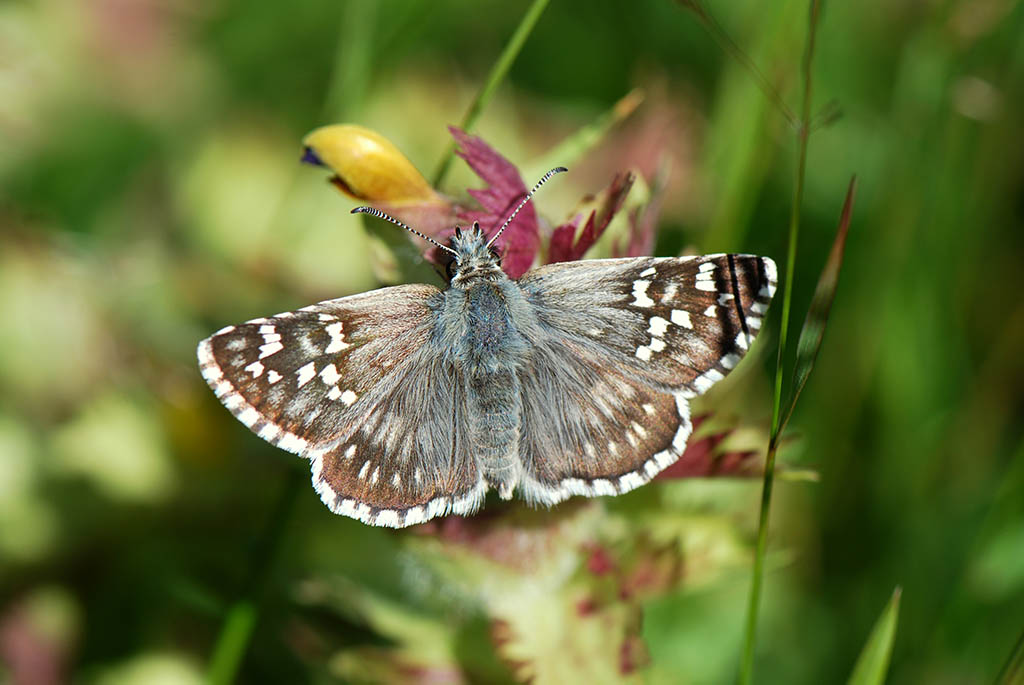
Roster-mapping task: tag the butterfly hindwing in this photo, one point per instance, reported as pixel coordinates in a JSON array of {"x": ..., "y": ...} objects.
[
  {"x": 590, "y": 428},
  {"x": 404, "y": 463},
  {"x": 625, "y": 344},
  {"x": 352, "y": 385}
]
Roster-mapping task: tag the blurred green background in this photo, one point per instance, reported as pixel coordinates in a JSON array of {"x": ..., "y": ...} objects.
[{"x": 150, "y": 193}]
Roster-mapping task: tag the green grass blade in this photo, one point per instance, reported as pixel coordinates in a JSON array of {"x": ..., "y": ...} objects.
[
  {"x": 574, "y": 146},
  {"x": 813, "y": 330},
  {"x": 873, "y": 662},
  {"x": 232, "y": 643},
  {"x": 242, "y": 617},
  {"x": 716, "y": 30},
  {"x": 746, "y": 673},
  {"x": 1013, "y": 671},
  {"x": 498, "y": 72}
]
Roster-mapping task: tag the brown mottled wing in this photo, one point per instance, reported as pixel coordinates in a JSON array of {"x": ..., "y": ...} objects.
[
  {"x": 353, "y": 385},
  {"x": 621, "y": 347}
]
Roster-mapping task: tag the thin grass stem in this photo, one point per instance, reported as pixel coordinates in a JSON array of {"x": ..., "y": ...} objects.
[
  {"x": 729, "y": 45},
  {"x": 498, "y": 72},
  {"x": 753, "y": 607},
  {"x": 242, "y": 616}
]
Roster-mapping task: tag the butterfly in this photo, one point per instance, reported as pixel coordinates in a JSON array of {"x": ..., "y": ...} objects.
[{"x": 411, "y": 402}]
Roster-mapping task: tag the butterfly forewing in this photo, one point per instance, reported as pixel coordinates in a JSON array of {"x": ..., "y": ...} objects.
[
  {"x": 611, "y": 376},
  {"x": 680, "y": 322},
  {"x": 351, "y": 385}
]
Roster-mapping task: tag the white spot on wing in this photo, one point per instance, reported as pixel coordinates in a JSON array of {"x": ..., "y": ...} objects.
[
  {"x": 249, "y": 416},
  {"x": 640, "y": 294},
  {"x": 256, "y": 368},
  {"x": 729, "y": 361},
  {"x": 330, "y": 375},
  {"x": 292, "y": 443},
  {"x": 658, "y": 326},
  {"x": 269, "y": 349},
  {"x": 711, "y": 311},
  {"x": 681, "y": 318},
  {"x": 630, "y": 481},
  {"x": 648, "y": 272},
  {"x": 387, "y": 518},
  {"x": 306, "y": 373},
  {"x": 337, "y": 343},
  {"x": 334, "y": 393},
  {"x": 362, "y": 471},
  {"x": 350, "y": 452},
  {"x": 348, "y": 397},
  {"x": 269, "y": 432},
  {"x": 273, "y": 376},
  {"x": 414, "y": 516},
  {"x": 643, "y": 353}
]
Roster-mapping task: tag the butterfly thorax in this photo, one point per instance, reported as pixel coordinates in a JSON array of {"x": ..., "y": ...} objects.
[{"x": 474, "y": 261}]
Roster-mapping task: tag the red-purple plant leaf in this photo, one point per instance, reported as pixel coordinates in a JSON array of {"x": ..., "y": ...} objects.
[
  {"x": 701, "y": 459},
  {"x": 519, "y": 243},
  {"x": 813, "y": 330},
  {"x": 563, "y": 249}
]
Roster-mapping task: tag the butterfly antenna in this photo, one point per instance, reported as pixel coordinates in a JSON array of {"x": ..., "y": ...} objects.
[
  {"x": 373, "y": 211},
  {"x": 556, "y": 170}
]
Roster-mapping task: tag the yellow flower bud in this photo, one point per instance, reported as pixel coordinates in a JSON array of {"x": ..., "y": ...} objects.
[{"x": 368, "y": 166}]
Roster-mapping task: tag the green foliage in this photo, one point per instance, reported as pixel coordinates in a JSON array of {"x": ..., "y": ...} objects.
[{"x": 873, "y": 662}]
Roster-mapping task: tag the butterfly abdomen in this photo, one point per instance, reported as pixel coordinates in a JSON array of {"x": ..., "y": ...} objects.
[
  {"x": 494, "y": 402},
  {"x": 491, "y": 351}
]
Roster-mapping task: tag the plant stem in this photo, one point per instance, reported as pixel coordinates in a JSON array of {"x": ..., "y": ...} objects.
[
  {"x": 753, "y": 607},
  {"x": 729, "y": 45},
  {"x": 240, "y": 621},
  {"x": 498, "y": 72}
]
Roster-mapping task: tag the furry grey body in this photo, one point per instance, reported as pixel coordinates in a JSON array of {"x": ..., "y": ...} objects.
[{"x": 480, "y": 322}]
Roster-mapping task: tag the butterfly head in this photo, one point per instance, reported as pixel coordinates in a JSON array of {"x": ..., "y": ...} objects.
[{"x": 472, "y": 257}]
